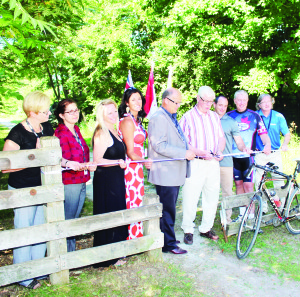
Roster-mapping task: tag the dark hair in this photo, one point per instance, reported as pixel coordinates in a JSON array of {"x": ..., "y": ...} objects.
[
  {"x": 167, "y": 93},
  {"x": 218, "y": 97},
  {"x": 61, "y": 107},
  {"x": 126, "y": 96}
]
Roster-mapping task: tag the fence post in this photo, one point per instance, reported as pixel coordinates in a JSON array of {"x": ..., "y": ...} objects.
[
  {"x": 54, "y": 212},
  {"x": 151, "y": 227}
]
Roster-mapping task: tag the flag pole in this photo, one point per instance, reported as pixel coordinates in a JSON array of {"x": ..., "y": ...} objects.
[{"x": 169, "y": 83}]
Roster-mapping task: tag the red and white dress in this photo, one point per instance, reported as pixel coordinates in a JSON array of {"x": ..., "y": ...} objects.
[{"x": 134, "y": 178}]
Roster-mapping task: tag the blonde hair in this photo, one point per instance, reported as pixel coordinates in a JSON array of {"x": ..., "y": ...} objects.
[
  {"x": 36, "y": 101},
  {"x": 100, "y": 111}
]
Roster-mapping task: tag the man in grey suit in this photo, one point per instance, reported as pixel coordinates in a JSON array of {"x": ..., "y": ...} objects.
[{"x": 166, "y": 140}]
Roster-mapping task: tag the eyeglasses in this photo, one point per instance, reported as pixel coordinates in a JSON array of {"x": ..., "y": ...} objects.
[
  {"x": 207, "y": 102},
  {"x": 265, "y": 102},
  {"x": 45, "y": 112},
  {"x": 177, "y": 103},
  {"x": 72, "y": 112}
]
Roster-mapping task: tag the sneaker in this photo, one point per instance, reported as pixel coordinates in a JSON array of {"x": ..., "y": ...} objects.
[{"x": 238, "y": 219}]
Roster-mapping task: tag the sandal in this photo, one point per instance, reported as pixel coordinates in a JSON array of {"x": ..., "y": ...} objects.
[{"x": 34, "y": 285}]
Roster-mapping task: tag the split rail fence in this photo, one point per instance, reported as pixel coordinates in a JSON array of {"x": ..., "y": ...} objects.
[
  {"x": 243, "y": 200},
  {"x": 57, "y": 229}
]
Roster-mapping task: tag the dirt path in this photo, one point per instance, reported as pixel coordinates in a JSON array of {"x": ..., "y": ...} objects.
[{"x": 216, "y": 274}]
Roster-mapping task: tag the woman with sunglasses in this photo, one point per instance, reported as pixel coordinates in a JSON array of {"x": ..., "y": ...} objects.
[{"x": 75, "y": 153}]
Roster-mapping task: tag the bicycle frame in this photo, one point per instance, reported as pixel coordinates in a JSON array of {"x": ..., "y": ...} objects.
[
  {"x": 292, "y": 185},
  {"x": 249, "y": 230}
]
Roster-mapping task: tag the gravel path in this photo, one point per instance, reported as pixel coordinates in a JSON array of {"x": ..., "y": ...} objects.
[{"x": 217, "y": 274}]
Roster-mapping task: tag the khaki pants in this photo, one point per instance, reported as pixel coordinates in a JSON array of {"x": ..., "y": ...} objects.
[
  {"x": 263, "y": 159},
  {"x": 226, "y": 179},
  {"x": 205, "y": 179}
]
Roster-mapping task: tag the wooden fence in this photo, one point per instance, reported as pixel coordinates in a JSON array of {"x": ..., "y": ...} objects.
[
  {"x": 56, "y": 229},
  {"x": 242, "y": 200}
]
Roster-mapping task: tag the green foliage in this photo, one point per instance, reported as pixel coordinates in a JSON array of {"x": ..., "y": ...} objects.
[{"x": 225, "y": 44}]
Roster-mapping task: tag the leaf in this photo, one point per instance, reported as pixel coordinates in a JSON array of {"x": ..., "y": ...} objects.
[
  {"x": 17, "y": 12},
  {"x": 25, "y": 18},
  {"x": 40, "y": 24},
  {"x": 12, "y": 4},
  {"x": 47, "y": 26}
]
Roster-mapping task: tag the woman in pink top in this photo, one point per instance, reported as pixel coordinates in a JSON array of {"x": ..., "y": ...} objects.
[{"x": 131, "y": 113}]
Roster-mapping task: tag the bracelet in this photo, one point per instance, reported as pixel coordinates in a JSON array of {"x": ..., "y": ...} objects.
[{"x": 66, "y": 163}]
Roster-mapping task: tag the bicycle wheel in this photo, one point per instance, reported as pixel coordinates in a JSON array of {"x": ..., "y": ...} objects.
[
  {"x": 249, "y": 227},
  {"x": 293, "y": 209}
]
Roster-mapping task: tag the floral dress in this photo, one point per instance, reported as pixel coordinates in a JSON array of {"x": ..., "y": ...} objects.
[{"x": 134, "y": 178}]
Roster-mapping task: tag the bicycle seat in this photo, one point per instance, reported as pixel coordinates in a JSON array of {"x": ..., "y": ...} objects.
[{"x": 270, "y": 164}]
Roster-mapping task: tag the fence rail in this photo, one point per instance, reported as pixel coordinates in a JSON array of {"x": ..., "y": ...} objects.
[
  {"x": 242, "y": 200},
  {"x": 56, "y": 229}
]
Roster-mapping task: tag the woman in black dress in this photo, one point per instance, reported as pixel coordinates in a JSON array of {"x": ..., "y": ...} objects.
[
  {"x": 108, "y": 183},
  {"x": 26, "y": 135}
]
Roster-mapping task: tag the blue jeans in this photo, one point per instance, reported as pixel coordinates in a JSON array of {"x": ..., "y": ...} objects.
[
  {"x": 27, "y": 217},
  {"x": 74, "y": 200}
]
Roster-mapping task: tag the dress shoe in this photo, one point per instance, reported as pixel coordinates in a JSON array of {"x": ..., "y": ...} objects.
[
  {"x": 188, "y": 238},
  {"x": 178, "y": 251},
  {"x": 210, "y": 235},
  {"x": 177, "y": 241}
]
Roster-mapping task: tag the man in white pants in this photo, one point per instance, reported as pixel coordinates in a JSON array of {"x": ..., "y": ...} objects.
[
  {"x": 275, "y": 124},
  {"x": 203, "y": 130}
]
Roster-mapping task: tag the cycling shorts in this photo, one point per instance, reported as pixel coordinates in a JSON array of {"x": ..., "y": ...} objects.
[{"x": 240, "y": 169}]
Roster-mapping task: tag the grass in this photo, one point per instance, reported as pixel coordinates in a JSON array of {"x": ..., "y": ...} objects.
[{"x": 137, "y": 277}]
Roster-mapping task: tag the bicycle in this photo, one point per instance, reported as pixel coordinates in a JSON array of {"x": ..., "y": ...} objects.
[{"x": 289, "y": 214}]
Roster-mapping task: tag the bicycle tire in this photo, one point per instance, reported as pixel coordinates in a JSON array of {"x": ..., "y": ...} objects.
[
  {"x": 249, "y": 228},
  {"x": 293, "y": 208}
]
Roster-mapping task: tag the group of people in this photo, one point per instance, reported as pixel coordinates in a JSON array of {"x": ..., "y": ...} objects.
[
  {"x": 200, "y": 143},
  {"x": 197, "y": 144},
  {"x": 116, "y": 186}
]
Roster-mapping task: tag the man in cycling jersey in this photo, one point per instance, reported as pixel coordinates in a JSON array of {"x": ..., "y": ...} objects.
[{"x": 250, "y": 124}]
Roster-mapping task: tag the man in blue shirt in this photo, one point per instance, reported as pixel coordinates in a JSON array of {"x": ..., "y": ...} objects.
[{"x": 275, "y": 124}]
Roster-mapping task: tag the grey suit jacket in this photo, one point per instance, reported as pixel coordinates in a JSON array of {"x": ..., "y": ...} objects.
[{"x": 164, "y": 143}]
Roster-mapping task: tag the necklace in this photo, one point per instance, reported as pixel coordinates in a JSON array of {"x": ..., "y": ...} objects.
[{"x": 32, "y": 130}]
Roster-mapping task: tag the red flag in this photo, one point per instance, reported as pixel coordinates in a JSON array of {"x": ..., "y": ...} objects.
[
  {"x": 151, "y": 104},
  {"x": 129, "y": 82}
]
